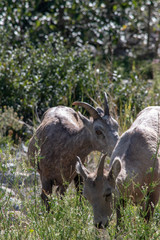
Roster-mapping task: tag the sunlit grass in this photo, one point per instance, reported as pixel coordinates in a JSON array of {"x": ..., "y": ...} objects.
[
  {"x": 23, "y": 215},
  {"x": 69, "y": 217}
]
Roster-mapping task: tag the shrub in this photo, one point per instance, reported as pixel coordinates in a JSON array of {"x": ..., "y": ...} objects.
[{"x": 50, "y": 74}]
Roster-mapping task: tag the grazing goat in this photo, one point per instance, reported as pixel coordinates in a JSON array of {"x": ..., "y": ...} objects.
[
  {"x": 62, "y": 135},
  {"x": 134, "y": 165}
]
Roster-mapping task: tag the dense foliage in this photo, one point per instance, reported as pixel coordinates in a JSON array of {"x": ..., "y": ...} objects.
[
  {"x": 55, "y": 52},
  {"x": 122, "y": 26}
]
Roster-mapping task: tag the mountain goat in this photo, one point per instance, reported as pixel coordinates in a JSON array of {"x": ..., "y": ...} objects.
[
  {"x": 62, "y": 135},
  {"x": 134, "y": 165}
]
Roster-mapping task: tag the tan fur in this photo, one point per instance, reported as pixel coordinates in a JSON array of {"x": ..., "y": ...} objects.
[
  {"x": 63, "y": 135},
  {"x": 134, "y": 165}
]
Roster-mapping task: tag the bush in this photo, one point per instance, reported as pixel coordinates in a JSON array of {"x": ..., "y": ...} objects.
[
  {"x": 50, "y": 74},
  {"x": 45, "y": 76}
]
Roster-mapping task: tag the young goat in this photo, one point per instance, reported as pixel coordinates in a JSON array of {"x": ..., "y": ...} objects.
[
  {"x": 134, "y": 165},
  {"x": 62, "y": 135}
]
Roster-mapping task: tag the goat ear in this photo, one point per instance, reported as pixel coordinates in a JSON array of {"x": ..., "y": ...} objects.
[
  {"x": 115, "y": 169},
  {"x": 85, "y": 120},
  {"x": 101, "y": 166},
  {"x": 80, "y": 169},
  {"x": 100, "y": 111}
]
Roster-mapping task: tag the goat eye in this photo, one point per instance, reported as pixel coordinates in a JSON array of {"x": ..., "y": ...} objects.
[{"x": 98, "y": 132}]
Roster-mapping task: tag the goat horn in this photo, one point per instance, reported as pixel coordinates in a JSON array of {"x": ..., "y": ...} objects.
[
  {"x": 106, "y": 108},
  {"x": 101, "y": 166},
  {"x": 92, "y": 111}
]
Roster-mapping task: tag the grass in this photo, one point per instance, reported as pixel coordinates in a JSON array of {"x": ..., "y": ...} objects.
[{"x": 23, "y": 216}]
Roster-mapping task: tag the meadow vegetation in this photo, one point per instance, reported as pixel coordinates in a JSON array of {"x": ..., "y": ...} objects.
[{"x": 23, "y": 216}]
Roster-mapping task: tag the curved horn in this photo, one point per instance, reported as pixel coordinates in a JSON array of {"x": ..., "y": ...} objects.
[
  {"x": 92, "y": 111},
  {"x": 101, "y": 166},
  {"x": 106, "y": 107}
]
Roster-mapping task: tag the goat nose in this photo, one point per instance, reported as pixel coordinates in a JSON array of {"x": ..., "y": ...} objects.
[{"x": 99, "y": 225}]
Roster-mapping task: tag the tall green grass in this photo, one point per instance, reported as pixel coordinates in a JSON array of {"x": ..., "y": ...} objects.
[
  {"x": 23, "y": 215},
  {"x": 69, "y": 217}
]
